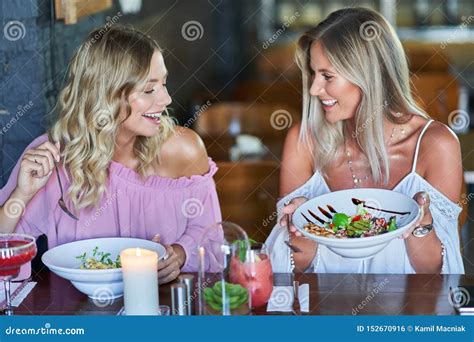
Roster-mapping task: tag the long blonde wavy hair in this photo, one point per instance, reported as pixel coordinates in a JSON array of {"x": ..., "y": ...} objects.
[
  {"x": 363, "y": 48},
  {"x": 112, "y": 63}
]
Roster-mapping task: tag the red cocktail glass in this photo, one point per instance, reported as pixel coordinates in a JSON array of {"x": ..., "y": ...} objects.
[
  {"x": 255, "y": 274},
  {"x": 15, "y": 251}
]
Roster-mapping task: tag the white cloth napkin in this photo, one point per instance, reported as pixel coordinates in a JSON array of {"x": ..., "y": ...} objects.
[
  {"x": 18, "y": 291},
  {"x": 282, "y": 298}
]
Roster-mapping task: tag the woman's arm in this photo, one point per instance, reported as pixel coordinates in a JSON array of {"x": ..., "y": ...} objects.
[
  {"x": 296, "y": 168},
  {"x": 36, "y": 167},
  {"x": 440, "y": 163},
  {"x": 296, "y": 164},
  {"x": 184, "y": 155}
]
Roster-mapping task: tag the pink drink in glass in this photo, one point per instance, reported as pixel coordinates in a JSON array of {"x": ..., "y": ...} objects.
[
  {"x": 15, "y": 251},
  {"x": 10, "y": 262},
  {"x": 255, "y": 274}
]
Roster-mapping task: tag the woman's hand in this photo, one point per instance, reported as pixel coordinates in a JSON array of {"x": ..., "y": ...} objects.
[
  {"x": 35, "y": 169},
  {"x": 170, "y": 268},
  {"x": 307, "y": 246},
  {"x": 425, "y": 253},
  {"x": 423, "y": 200},
  {"x": 288, "y": 211}
]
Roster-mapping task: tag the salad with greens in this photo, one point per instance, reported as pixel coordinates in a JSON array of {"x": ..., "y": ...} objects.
[
  {"x": 98, "y": 261},
  {"x": 362, "y": 224}
]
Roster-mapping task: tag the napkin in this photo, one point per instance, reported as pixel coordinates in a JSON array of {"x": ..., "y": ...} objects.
[
  {"x": 247, "y": 146},
  {"x": 282, "y": 298},
  {"x": 18, "y": 290}
]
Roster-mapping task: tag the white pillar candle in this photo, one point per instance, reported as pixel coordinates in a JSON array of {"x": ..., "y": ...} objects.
[{"x": 140, "y": 281}]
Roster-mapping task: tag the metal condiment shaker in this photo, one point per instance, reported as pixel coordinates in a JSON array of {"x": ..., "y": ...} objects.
[
  {"x": 188, "y": 281},
  {"x": 178, "y": 299}
]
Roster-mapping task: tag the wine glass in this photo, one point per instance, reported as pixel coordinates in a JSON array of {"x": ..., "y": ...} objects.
[{"x": 15, "y": 251}]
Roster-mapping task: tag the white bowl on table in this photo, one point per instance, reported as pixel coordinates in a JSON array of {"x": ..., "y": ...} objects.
[
  {"x": 341, "y": 201},
  {"x": 102, "y": 284}
]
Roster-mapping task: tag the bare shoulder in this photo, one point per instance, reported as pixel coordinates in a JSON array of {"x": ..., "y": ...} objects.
[
  {"x": 439, "y": 141},
  {"x": 184, "y": 153},
  {"x": 440, "y": 160},
  {"x": 294, "y": 145},
  {"x": 297, "y": 162}
]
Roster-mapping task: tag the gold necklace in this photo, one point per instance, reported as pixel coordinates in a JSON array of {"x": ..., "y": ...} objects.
[{"x": 357, "y": 180}]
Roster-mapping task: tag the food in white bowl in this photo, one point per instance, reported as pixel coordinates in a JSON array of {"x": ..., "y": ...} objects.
[
  {"x": 101, "y": 282},
  {"x": 98, "y": 260},
  {"x": 356, "y": 231}
]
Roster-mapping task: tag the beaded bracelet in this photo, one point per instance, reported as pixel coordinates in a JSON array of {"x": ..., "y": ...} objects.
[
  {"x": 292, "y": 262},
  {"x": 443, "y": 254},
  {"x": 292, "y": 259}
]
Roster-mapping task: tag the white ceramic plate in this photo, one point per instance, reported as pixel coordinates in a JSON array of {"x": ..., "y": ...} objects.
[
  {"x": 341, "y": 201},
  {"x": 101, "y": 285}
]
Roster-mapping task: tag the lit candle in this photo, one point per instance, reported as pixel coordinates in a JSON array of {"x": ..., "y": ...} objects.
[{"x": 140, "y": 281}]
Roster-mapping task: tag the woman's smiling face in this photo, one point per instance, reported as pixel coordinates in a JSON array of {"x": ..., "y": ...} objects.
[
  {"x": 147, "y": 104},
  {"x": 339, "y": 97}
]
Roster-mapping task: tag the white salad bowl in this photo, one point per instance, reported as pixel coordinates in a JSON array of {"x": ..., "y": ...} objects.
[
  {"x": 102, "y": 284},
  {"x": 341, "y": 201}
]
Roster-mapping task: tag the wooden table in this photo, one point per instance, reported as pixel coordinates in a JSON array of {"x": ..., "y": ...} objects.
[{"x": 330, "y": 294}]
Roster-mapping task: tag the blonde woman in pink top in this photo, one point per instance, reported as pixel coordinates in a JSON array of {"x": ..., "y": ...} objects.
[{"x": 126, "y": 169}]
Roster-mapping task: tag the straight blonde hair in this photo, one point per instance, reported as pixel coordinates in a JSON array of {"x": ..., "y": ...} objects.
[
  {"x": 363, "y": 47},
  {"x": 111, "y": 64}
]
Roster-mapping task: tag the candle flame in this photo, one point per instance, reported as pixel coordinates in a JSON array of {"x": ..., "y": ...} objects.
[{"x": 138, "y": 252}]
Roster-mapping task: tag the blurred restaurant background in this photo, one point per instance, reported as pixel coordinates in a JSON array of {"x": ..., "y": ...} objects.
[{"x": 233, "y": 79}]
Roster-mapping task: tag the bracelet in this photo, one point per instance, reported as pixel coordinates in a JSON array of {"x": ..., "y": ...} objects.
[
  {"x": 292, "y": 259},
  {"x": 422, "y": 230},
  {"x": 443, "y": 255},
  {"x": 292, "y": 262}
]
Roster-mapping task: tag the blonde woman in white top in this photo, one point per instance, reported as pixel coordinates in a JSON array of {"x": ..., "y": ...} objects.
[{"x": 361, "y": 128}]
